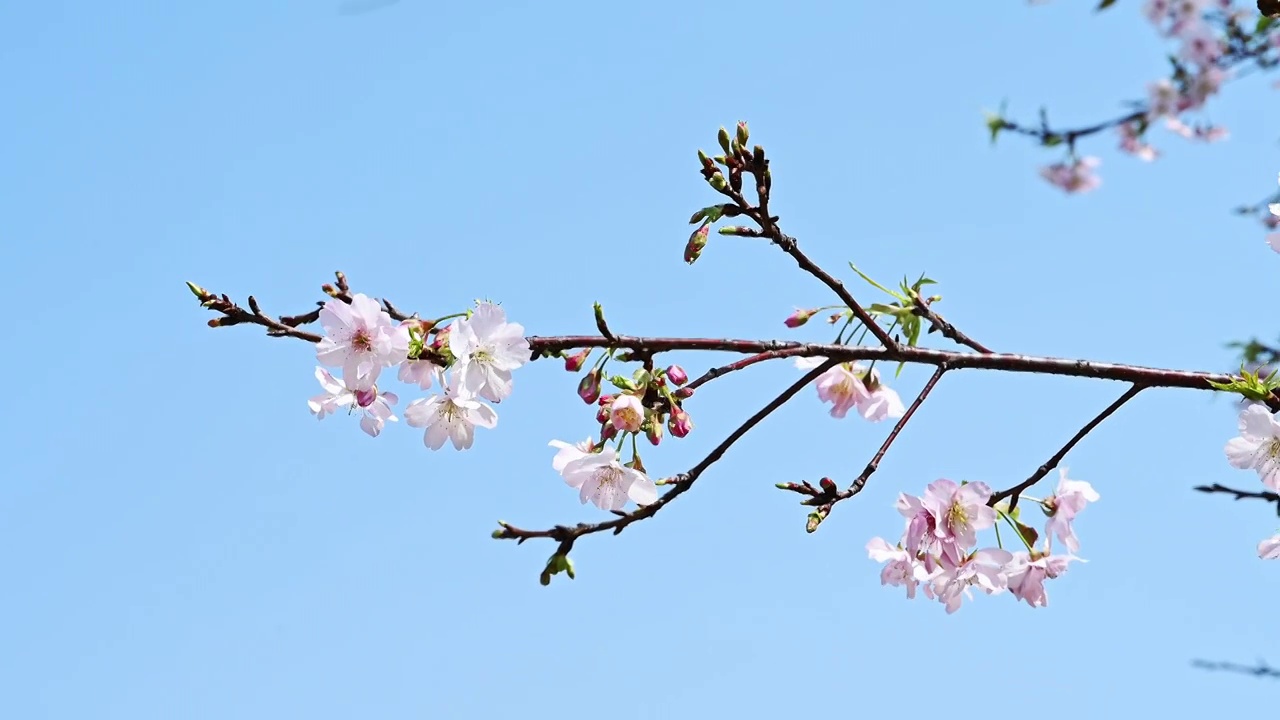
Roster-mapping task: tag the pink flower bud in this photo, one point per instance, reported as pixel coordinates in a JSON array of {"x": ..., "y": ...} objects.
[
  {"x": 654, "y": 431},
  {"x": 608, "y": 432},
  {"x": 798, "y": 318},
  {"x": 602, "y": 415},
  {"x": 365, "y": 398},
  {"x": 679, "y": 423},
  {"x": 573, "y": 363},
  {"x": 697, "y": 241},
  {"x": 441, "y": 339},
  {"x": 677, "y": 375},
  {"x": 683, "y": 393},
  {"x": 604, "y": 400},
  {"x": 589, "y": 387}
]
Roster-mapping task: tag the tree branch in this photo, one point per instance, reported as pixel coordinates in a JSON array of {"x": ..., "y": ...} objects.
[{"x": 1014, "y": 492}]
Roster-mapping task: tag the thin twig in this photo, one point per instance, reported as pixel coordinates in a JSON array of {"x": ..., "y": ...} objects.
[{"x": 1014, "y": 492}]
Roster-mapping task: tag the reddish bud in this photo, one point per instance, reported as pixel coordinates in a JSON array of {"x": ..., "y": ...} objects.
[
  {"x": 798, "y": 318},
  {"x": 653, "y": 431},
  {"x": 574, "y": 363},
  {"x": 697, "y": 241},
  {"x": 608, "y": 432},
  {"x": 441, "y": 339},
  {"x": 602, "y": 415},
  {"x": 677, "y": 375},
  {"x": 684, "y": 393},
  {"x": 679, "y": 423},
  {"x": 215, "y": 322},
  {"x": 589, "y": 387},
  {"x": 827, "y": 484}
]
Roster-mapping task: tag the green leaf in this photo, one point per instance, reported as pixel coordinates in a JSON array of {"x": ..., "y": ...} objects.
[{"x": 1264, "y": 23}]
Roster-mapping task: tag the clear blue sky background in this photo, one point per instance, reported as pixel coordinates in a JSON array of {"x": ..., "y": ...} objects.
[{"x": 179, "y": 538}]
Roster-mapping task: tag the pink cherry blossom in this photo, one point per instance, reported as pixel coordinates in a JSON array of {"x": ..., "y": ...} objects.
[
  {"x": 984, "y": 569},
  {"x": 488, "y": 348},
  {"x": 453, "y": 416},
  {"x": 881, "y": 403},
  {"x": 920, "y": 535},
  {"x": 838, "y": 386},
  {"x": 1258, "y": 447},
  {"x": 1200, "y": 45},
  {"x": 902, "y": 570},
  {"x": 605, "y": 482},
  {"x": 359, "y": 334},
  {"x": 568, "y": 453},
  {"x": 1273, "y": 240},
  {"x": 1074, "y": 177},
  {"x": 626, "y": 414},
  {"x": 362, "y": 394},
  {"x": 1269, "y": 549},
  {"x": 418, "y": 372},
  {"x": 959, "y": 511},
  {"x": 1063, "y": 506},
  {"x": 1131, "y": 142},
  {"x": 1026, "y": 576}
]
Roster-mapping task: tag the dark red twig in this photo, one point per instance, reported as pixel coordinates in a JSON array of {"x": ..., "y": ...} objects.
[{"x": 1014, "y": 492}]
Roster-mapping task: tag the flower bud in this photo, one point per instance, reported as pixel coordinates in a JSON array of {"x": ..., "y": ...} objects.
[
  {"x": 365, "y": 398},
  {"x": 676, "y": 374},
  {"x": 742, "y": 133},
  {"x": 604, "y": 400},
  {"x": 626, "y": 413},
  {"x": 723, "y": 138},
  {"x": 441, "y": 340},
  {"x": 679, "y": 423},
  {"x": 717, "y": 181},
  {"x": 684, "y": 393},
  {"x": 608, "y": 432},
  {"x": 653, "y": 430},
  {"x": 574, "y": 363},
  {"x": 828, "y": 485},
  {"x": 589, "y": 387},
  {"x": 697, "y": 241},
  {"x": 798, "y": 318}
]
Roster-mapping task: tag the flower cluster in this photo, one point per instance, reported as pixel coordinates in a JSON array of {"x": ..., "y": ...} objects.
[
  {"x": 850, "y": 385},
  {"x": 481, "y": 349},
  {"x": 1258, "y": 448},
  {"x": 1202, "y": 30},
  {"x": 938, "y": 553},
  {"x": 646, "y": 403}
]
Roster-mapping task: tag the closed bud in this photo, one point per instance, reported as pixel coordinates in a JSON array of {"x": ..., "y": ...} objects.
[
  {"x": 198, "y": 291},
  {"x": 589, "y": 387},
  {"x": 608, "y": 432},
  {"x": 742, "y": 134},
  {"x": 677, "y": 375},
  {"x": 604, "y": 400},
  {"x": 653, "y": 430},
  {"x": 723, "y": 138},
  {"x": 798, "y": 318},
  {"x": 679, "y": 423},
  {"x": 329, "y": 290},
  {"x": 683, "y": 393},
  {"x": 717, "y": 181},
  {"x": 215, "y": 322},
  {"x": 574, "y": 362},
  {"x": 697, "y": 241},
  {"x": 827, "y": 484}
]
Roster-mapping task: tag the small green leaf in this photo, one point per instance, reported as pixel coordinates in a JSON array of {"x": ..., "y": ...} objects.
[{"x": 1264, "y": 23}]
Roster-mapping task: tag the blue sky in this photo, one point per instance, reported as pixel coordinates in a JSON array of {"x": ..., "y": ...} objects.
[{"x": 179, "y": 538}]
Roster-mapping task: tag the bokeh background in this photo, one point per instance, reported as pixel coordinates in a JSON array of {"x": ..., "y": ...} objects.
[{"x": 180, "y": 539}]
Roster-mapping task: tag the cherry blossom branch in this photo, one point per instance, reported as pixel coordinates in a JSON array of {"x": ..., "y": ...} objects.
[
  {"x": 1015, "y": 492},
  {"x": 940, "y": 325},
  {"x": 825, "y": 496},
  {"x": 681, "y": 483},
  {"x": 737, "y": 159},
  {"x": 1241, "y": 494},
  {"x": 1259, "y": 670}
]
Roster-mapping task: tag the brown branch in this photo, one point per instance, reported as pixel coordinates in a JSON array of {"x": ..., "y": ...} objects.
[
  {"x": 1266, "y": 495},
  {"x": 825, "y": 496},
  {"x": 716, "y": 372},
  {"x": 1015, "y": 492},
  {"x": 940, "y": 325},
  {"x": 566, "y": 535},
  {"x": 1008, "y": 362}
]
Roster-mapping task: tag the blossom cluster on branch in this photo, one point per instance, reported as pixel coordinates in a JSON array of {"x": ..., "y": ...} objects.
[
  {"x": 1212, "y": 42},
  {"x": 471, "y": 355}
]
